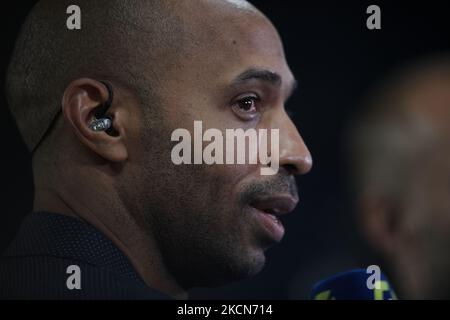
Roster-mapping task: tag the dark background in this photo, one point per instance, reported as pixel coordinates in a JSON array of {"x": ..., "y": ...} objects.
[{"x": 336, "y": 60}]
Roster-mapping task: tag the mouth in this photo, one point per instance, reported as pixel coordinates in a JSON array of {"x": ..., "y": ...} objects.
[{"x": 268, "y": 209}]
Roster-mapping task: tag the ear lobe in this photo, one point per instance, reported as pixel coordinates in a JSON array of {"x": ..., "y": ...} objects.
[{"x": 81, "y": 100}]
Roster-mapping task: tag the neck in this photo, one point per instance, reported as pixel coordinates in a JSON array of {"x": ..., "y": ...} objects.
[{"x": 110, "y": 217}]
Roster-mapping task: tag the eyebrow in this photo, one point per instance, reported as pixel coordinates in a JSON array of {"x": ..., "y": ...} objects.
[{"x": 264, "y": 75}]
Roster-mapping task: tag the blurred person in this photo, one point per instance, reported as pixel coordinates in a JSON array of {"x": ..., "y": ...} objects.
[
  {"x": 401, "y": 167},
  {"x": 112, "y": 202}
]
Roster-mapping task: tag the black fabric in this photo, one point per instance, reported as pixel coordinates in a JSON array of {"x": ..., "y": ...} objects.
[{"x": 35, "y": 265}]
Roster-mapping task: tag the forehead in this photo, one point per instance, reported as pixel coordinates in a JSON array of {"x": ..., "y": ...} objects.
[{"x": 226, "y": 42}]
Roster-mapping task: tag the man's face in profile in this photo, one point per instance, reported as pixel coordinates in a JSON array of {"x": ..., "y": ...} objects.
[{"x": 213, "y": 223}]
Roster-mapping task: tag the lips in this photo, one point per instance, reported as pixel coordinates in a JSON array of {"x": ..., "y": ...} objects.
[
  {"x": 268, "y": 209},
  {"x": 275, "y": 205}
]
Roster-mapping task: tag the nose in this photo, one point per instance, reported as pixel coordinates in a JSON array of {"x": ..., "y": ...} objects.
[{"x": 294, "y": 154}]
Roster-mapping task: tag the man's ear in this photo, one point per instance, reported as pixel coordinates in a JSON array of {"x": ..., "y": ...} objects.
[
  {"x": 81, "y": 100},
  {"x": 382, "y": 222}
]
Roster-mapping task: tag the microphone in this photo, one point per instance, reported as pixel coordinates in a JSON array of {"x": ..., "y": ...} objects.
[{"x": 358, "y": 284}]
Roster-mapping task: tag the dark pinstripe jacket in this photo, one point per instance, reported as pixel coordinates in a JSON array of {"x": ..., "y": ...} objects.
[{"x": 59, "y": 257}]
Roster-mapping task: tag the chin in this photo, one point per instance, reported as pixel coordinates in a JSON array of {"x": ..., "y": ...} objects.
[
  {"x": 236, "y": 267},
  {"x": 250, "y": 264}
]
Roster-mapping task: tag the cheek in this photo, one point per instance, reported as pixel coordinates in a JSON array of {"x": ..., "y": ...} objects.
[
  {"x": 225, "y": 184},
  {"x": 210, "y": 198},
  {"x": 209, "y": 185},
  {"x": 196, "y": 188}
]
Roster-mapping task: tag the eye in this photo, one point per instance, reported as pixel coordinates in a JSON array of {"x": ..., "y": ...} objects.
[{"x": 247, "y": 107}]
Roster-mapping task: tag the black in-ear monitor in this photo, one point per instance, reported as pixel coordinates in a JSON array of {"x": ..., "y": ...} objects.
[{"x": 102, "y": 122}]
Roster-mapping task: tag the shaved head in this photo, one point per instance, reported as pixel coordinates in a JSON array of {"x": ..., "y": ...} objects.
[{"x": 133, "y": 43}]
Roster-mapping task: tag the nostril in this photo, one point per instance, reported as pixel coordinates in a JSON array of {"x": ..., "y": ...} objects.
[
  {"x": 292, "y": 169},
  {"x": 298, "y": 165}
]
